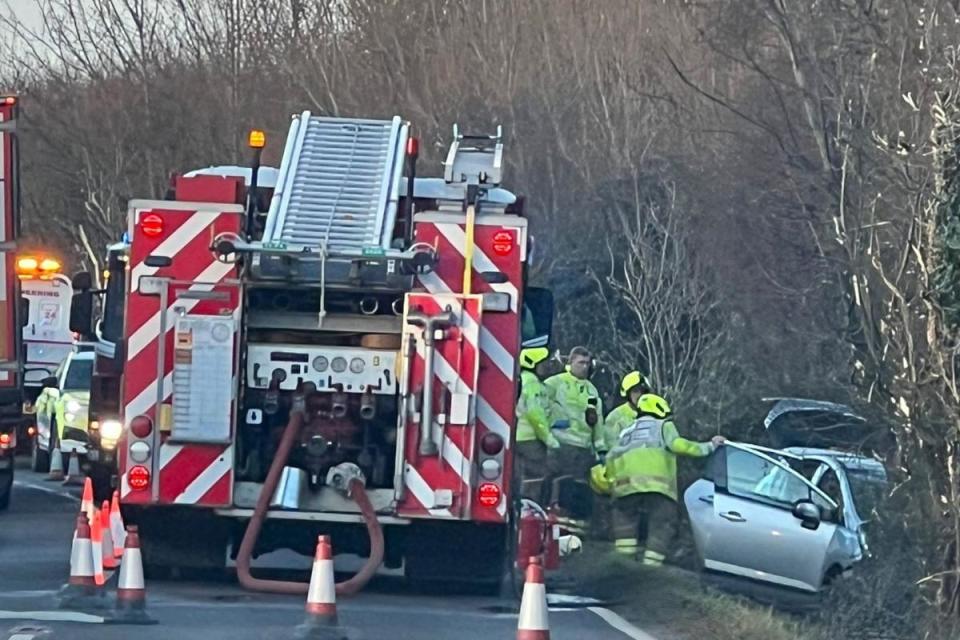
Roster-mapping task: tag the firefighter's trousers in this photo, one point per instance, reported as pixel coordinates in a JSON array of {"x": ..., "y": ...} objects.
[
  {"x": 532, "y": 461},
  {"x": 644, "y": 521},
  {"x": 568, "y": 472}
]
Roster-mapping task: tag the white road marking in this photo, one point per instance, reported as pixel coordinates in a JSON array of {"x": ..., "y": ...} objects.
[
  {"x": 620, "y": 624},
  {"x": 53, "y": 492},
  {"x": 51, "y": 616}
]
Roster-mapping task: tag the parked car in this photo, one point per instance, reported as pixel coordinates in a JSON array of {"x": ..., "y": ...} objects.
[
  {"x": 65, "y": 396},
  {"x": 791, "y": 517}
]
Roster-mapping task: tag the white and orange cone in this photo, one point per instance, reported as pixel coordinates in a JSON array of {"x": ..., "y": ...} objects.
[
  {"x": 117, "y": 530},
  {"x": 81, "y": 555},
  {"x": 131, "y": 590},
  {"x": 81, "y": 590},
  {"x": 321, "y": 619},
  {"x": 96, "y": 541},
  {"x": 109, "y": 560},
  {"x": 74, "y": 474},
  {"x": 56, "y": 464},
  {"x": 86, "y": 502},
  {"x": 533, "y": 623}
]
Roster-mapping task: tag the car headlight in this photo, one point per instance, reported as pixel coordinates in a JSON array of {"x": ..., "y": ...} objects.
[
  {"x": 74, "y": 407},
  {"x": 110, "y": 430},
  {"x": 864, "y": 548}
]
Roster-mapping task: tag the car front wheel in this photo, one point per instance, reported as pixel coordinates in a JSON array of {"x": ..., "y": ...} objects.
[
  {"x": 6, "y": 488},
  {"x": 39, "y": 457}
]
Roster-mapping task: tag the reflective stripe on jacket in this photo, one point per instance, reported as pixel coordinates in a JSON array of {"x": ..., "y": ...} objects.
[
  {"x": 645, "y": 458},
  {"x": 571, "y": 397}
]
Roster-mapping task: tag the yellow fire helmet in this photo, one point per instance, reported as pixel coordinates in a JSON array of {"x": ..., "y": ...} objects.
[
  {"x": 653, "y": 405},
  {"x": 531, "y": 357},
  {"x": 630, "y": 381},
  {"x": 599, "y": 482}
]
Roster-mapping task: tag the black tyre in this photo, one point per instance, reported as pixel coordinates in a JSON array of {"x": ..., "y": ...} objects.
[
  {"x": 39, "y": 458},
  {"x": 100, "y": 476},
  {"x": 6, "y": 488}
]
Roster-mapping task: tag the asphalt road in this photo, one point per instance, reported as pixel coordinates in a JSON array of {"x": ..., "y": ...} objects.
[{"x": 35, "y": 537}]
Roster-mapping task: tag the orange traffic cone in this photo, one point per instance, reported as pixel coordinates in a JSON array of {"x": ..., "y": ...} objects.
[
  {"x": 96, "y": 541},
  {"x": 131, "y": 591},
  {"x": 533, "y": 624},
  {"x": 81, "y": 590},
  {"x": 109, "y": 560},
  {"x": 86, "y": 502},
  {"x": 117, "y": 530},
  {"x": 321, "y": 619}
]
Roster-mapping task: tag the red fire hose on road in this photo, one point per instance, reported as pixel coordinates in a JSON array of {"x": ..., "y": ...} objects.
[{"x": 356, "y": 491}]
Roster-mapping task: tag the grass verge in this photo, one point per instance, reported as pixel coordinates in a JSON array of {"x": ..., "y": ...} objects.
[{"x": 673, "y": 604}]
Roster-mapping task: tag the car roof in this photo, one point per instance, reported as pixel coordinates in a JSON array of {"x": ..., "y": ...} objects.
[{"x": 83, "y": 355}]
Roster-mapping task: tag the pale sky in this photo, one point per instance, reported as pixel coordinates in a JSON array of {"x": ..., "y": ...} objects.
[{"x": 25, "y": 11}]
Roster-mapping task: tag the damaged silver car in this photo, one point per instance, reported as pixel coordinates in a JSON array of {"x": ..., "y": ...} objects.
[{"x": 793, "y": 517}]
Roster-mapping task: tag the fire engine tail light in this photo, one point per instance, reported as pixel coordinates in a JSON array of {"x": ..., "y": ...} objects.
[
  {"x": 7, "y": 441},
  {"x": 491, "y": 444},
  {"x": 151, "y": 225},
  {"x": 139, "y": 452},
  {"x": 488, "y": 494},
  {"x": 141, "y": 426},
  {"x": 138, "y": 478},
  {"x": 490, "y": 469}
]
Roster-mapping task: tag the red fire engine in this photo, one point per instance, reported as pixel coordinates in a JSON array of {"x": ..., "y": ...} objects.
[
  {"x": 344, "y": 359},
  {"x": 11, "y": 360}
]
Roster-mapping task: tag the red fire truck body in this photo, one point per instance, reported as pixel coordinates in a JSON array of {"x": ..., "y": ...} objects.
[
  {"x": 386, "y": 309},
  {"x": 11, "y": 358}
]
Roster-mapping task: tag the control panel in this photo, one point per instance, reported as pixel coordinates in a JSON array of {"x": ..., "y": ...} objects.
[{"x": 349, "y": 369}]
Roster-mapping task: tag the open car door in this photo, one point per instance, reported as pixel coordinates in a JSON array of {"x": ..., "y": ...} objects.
[{"x": 769, "y": 523}]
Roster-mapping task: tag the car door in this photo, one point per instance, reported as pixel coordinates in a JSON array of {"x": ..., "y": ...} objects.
[
  {"x": 46, "y": 406},
  {"x": 753, "y": 531}
]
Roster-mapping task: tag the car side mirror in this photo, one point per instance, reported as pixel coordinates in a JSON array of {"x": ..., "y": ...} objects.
[{"x": 808, "y": 514}]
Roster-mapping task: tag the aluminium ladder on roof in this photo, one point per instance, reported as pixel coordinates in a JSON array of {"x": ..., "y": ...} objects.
[{"x": 338, "y": 184}]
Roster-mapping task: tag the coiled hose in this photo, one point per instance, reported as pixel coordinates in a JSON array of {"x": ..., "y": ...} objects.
[{"x": 356, "y": 491}]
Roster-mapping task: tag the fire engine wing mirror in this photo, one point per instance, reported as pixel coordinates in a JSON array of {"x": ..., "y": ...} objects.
[
  {"x": 537, "y": 319},
  {"x": 81, "y": 281},
  {"x": 81, "y": 307}
]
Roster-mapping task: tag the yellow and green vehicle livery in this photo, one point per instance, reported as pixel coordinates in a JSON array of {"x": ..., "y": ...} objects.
[{"x": 61, "y": 409}]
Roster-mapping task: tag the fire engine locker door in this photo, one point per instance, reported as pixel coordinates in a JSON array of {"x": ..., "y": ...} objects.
[{"x": 203, "y": 378}]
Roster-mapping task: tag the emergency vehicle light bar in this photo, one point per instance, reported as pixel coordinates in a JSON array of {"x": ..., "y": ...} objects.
[{"x": 32, "y": 267}]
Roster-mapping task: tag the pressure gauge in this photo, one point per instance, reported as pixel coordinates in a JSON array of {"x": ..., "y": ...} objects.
[{"x": 320, "y": 363}]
